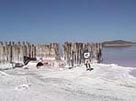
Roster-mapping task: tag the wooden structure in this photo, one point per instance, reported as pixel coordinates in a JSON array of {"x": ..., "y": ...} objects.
[
  {"x": 73, "y": 52},
  {"x": 48, "y": 50},
  {"x": 15, "y": 52}
]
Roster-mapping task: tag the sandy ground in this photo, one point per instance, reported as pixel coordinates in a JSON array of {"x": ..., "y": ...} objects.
[{"x": 106, "y": 82}]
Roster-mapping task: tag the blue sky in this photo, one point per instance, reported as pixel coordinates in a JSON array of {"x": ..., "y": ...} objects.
[{"x": 67, "y": 20}]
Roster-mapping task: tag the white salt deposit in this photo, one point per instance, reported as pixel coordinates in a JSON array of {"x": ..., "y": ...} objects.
[{"x": 106, "y": 82}]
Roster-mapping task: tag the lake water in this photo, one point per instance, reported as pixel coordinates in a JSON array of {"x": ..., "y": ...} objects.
[{"x": 124, "y": 56}]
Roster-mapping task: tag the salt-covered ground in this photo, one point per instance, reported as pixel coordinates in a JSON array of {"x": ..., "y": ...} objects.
[{"x": 104, "y": 83}]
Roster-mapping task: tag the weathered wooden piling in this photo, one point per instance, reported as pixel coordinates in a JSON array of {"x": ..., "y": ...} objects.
[
  {"x": 73, "y": 52},
  {"x": 48, "y": 50},
  {"x": 14, "y": 52}
]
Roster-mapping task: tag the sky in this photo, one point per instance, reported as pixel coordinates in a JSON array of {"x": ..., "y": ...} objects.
[{"x": 67, "y": 20}]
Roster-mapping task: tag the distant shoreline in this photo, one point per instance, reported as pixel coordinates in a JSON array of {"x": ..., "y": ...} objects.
[{"x": 118, "y": 43}]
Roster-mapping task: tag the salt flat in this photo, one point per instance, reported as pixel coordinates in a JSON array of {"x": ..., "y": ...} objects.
[{"x": 106, "y": 82}]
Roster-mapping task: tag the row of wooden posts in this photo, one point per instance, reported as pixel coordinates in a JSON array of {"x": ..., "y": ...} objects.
[
  {"x": 73, "y": 52},
  {"x": 15, "y": 51}
]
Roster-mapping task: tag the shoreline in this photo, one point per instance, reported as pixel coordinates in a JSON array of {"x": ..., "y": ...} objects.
[{"x": 7, "y": 66}]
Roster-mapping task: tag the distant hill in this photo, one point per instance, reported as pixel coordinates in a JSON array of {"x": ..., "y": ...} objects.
[{"x": 118, "y": 43}]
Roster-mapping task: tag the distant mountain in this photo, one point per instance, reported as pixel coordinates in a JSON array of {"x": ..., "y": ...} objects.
[{"x": 118, "y": 43}]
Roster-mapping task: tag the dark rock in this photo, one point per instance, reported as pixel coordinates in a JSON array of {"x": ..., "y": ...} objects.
[{"x": 39, "y": 64}]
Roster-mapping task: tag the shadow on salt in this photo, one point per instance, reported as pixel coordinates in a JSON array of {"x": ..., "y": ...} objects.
[{"x": 133, "y": 72}]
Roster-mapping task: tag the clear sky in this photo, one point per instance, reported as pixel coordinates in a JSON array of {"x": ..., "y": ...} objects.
[{"x": 67, "y": 20}]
